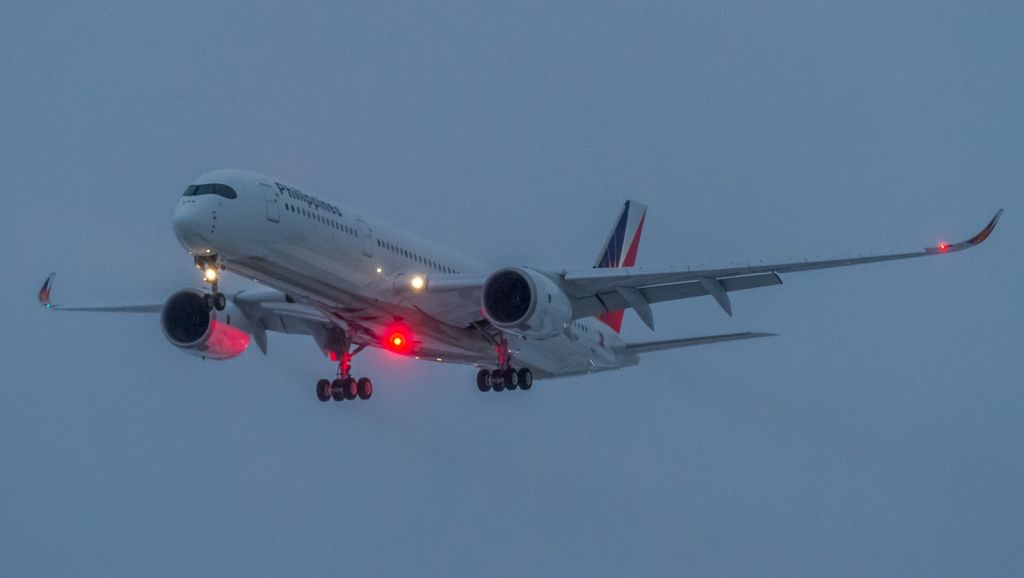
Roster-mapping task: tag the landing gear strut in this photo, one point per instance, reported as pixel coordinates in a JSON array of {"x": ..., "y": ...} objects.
[
  {"x": 344, "y": 386},
  {"x": 211, "y": 268},
  {"x": 505, "y": 377}
]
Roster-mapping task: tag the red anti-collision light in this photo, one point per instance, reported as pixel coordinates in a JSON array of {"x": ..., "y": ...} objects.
[
  {"x": 397, "y": 342},
  {"x": 398, "y": 337}
]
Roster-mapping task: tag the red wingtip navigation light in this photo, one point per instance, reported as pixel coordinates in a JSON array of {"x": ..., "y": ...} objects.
[{"x": 943, "y": 247}]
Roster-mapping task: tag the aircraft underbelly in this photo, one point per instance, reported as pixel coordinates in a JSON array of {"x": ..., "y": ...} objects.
[
  {"x": 561, "y": 356},
  {"x": 307, "y": 273}
]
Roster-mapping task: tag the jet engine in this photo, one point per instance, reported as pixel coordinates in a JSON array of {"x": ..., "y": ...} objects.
[
  {"x": 525, "y": 302},
  {"x": 196, "y": 329}
]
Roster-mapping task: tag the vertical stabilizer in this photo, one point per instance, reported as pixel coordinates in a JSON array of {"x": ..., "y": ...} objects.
[{"x": 621, "y": 248}]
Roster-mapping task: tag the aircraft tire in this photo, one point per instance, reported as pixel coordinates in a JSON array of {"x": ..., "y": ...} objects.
[
  {"x": 525, "y": 379},
  {"x": 511, "y": 379},
  {"x": 497, "y": 382},
  {"x": 365, "y": 387},
  {"x": 482, "y": 381},
  {"x": 323, "y": 390},
  {"x": 350, "y": 388},
  {"x": 338, "y": 390}
]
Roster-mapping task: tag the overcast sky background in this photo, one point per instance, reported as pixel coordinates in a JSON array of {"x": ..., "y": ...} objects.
[{"x": 880, "y": 434}]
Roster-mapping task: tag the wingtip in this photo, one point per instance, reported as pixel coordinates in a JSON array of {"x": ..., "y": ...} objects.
[
  {"x": 45, "y": 290},
  {"x": 972, "y": 242},
  {"x": 984, "y": 234}
]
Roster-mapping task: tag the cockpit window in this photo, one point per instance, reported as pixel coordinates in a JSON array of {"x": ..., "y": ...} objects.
[{"x": 211, "y": 189}]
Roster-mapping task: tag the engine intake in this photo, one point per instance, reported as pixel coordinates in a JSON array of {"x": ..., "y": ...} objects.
[
  {"x": 526, "y": 303},
  {"x": 195, "y": 329}
]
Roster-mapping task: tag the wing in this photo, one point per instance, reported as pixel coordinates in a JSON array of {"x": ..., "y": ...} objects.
[
  {"x": 47, "y": 288},
  {"x": 451, "y": 299},
  {"x": 596, "y": 291},
  {"x": 455, "y": 299},
  {"x": 272, "y": 310}
]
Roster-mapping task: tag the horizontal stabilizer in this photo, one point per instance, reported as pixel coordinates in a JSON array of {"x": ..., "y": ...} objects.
[{"x": 648, "y": 346}]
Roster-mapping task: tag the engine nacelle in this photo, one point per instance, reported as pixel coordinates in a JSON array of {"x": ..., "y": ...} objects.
[
  {"x": 526, "y": 302},
  {"x": 197, "y": 330}
]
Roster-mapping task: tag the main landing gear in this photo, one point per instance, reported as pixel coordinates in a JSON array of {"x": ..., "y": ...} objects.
[
  {"x": 345, "y": 386},
  {"x": 211, "y": 275},
  {"x": 505, "y": 377}
]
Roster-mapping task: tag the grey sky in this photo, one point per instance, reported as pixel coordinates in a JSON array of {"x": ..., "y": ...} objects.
[{"x": 879, "y": 435}]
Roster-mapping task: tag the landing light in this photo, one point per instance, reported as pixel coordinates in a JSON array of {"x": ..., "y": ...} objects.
[
  {"x": 379, "y": 270},
  {"x": 210, "y": 275},
  {"x": 418, "y": 282}
]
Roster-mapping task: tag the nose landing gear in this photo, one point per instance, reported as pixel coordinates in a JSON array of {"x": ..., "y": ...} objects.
[{"x": 211, "y": 268}]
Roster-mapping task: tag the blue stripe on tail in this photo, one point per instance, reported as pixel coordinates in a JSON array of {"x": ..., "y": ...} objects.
[{"x": 612, "y": 255}]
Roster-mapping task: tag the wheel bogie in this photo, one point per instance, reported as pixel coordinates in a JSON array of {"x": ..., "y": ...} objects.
[{"x": 504, "y": 379}]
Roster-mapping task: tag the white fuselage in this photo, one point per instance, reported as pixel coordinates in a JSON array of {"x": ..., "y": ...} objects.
[{"x": 327, "y": 255}]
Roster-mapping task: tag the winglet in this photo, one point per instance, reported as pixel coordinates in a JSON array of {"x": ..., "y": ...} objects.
[
  {"x": 972, "y": 242},
  {"x": 44, "y": 292},
  {"x": 980, "y": 237}
]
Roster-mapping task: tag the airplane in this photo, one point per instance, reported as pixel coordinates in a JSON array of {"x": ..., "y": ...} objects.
[{"x": 353, "y": 282}]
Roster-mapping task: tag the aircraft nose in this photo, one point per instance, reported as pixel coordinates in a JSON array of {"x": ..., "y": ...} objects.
[{"x": 193, "y": 224}]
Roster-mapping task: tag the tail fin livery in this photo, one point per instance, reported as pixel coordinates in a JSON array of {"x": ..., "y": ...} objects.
[
  {"x": 44, "y": 292},
  {"x": 621, "y": 248}
]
